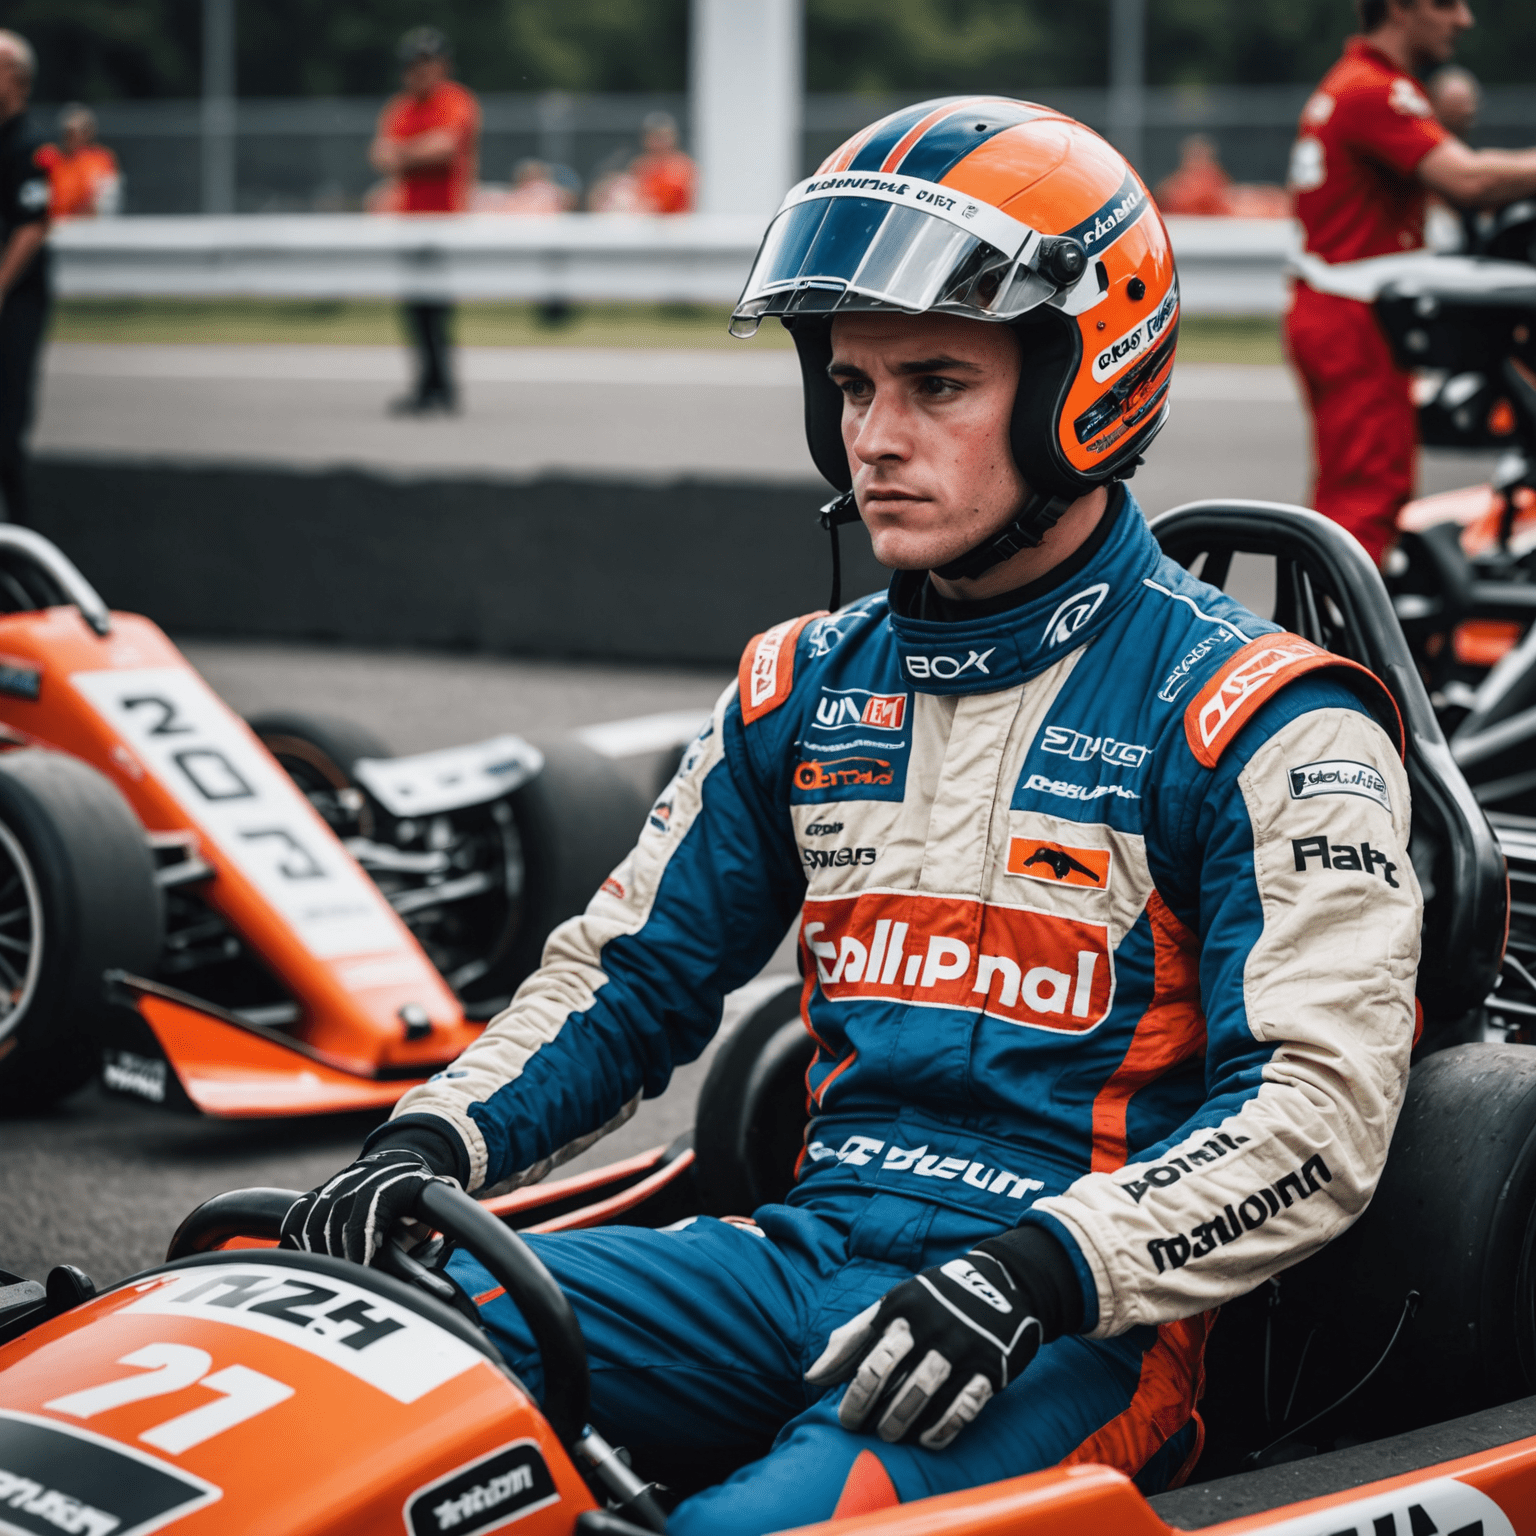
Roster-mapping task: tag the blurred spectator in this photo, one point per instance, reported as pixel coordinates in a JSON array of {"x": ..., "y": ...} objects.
[
  {"x": 534, "y": 190},
  {"x": 1455, "y": 95},
  {"x": 24, "y": 286},
  {"x": 663, "y": 174},
  {"x": 615, "y": 192},
  {"x": 84, "y": 175},
  {"x": 428, "y": 145},
  {"x": 1199, "y": 185}
]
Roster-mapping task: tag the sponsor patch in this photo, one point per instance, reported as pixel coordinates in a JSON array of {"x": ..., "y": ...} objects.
[
  {"x": 840, "y": 772},
  {"x": 823, "y": 828},
  {"x": 484, "y": 1495},
  {"x": 1407, "y": 98},
  {"x": 400, "y": 1353},
  {"x": 837, "y": 858},
  {"x": 1343, "y": 856},
  {"x": 1082, "y": 748},
  {"x": 1338, "y": 776},
  {"x": 858, "y": 706},
  {"x": 1178, "y": 680},
  {"x": 1065, "y": 789},
  {"x": 1074, "y": 612},
  {"x": 1163, "y": 1174},
  {"x": 1259, "y": 670},
  {"x": 1057, "y": 864},
  {"x": 965, "y": 1274},
  {"x": 1232, "y": 1223},
  {"x": 1124, "y": 350},
  {"x": 945, "y": 668},
  {"x": 766, "y": 676},
  {"x": 1013, "y": 963},
  {"x": 54, "y": 1479},
  {"x": 862, "y": 1151}
]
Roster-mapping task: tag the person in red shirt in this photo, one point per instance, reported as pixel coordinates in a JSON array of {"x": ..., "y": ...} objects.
[
  {"x": 1368, "y": 150},
  {"x": 83, "y": 174},
  {"x": 663, "y": 173},
  {"x": 428, "y": 142},
  {"x": 1199, "y": 185}
]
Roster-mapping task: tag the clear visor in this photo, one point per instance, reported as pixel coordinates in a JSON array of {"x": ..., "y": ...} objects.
[{"x": 840, "y": 253}]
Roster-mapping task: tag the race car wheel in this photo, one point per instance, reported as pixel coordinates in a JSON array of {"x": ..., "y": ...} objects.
[
  {"x": 482, "y": 886},
  {"x": 78, "y": 897},
  {"x": 750, "y": 1123}
]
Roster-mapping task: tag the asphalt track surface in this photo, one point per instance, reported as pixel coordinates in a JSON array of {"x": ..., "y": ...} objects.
[{"x": 102, "y": 1183}]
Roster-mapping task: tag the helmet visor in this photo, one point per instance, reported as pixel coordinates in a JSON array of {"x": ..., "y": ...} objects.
[{"x": 843, "y": 250}]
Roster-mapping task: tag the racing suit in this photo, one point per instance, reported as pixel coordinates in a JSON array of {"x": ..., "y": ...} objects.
[
  {"x": 1107, "y": 926},
  {"x": 1363, "y": 133}
]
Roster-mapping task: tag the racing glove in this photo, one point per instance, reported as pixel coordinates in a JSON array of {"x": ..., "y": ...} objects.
[
  {"x": 923, "y": 1361},
  {"x": 351, "y": 1215}
]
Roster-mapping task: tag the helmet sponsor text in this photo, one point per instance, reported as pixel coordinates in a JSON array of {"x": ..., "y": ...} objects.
[{"x": 1118, "y": 354}]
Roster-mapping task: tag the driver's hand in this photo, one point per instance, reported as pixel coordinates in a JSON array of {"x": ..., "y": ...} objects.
[
  {"x": 351, "y": 1215},
  {"x": 923, "y": 1361}
]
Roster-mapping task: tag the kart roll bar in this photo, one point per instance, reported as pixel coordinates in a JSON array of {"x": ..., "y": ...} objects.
[
  {"x": 510, "y": 1261},
  {"x": 61, "y": 571}
]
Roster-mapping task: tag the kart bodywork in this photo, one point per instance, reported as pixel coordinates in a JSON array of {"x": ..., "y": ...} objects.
[{"x": 274, "y": 970}]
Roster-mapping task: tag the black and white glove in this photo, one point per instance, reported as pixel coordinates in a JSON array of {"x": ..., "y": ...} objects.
[
  {"x": 351, "y": 1215},
  {"x": 925, "y": 1359}
]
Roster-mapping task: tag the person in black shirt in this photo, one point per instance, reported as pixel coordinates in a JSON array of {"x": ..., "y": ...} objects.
[{"x": 24, "y": 287}]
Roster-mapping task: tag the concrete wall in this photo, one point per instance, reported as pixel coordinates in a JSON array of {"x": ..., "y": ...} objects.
[{"x": 683, "y": 572}]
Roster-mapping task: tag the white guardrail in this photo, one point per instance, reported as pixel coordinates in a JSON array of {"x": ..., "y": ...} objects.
[{"x": 1226, "y": 266}]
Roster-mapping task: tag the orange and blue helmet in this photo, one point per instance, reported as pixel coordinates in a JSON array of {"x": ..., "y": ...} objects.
[{"x": 995, "y": 210}]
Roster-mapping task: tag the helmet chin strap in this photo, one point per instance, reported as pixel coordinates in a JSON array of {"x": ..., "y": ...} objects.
[{"x": 1035, "y": 519}]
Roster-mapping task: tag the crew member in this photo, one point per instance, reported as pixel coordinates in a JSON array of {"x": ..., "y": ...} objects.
[
  {"x": 1105, "y": 1034},
  {"x": 83, "y": 174},
  {"x": 24, "y": 286},
  {"x": 1367, "y": 149},
  {"x": 428, "y": 142}
]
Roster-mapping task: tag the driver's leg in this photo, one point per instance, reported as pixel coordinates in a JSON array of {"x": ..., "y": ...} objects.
[
  {"x": 693, "y": 1333},
  {"x": 1126, "y": 1402}
]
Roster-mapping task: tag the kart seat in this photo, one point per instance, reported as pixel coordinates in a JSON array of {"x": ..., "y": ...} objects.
[{"x": 1327, "y": 590}]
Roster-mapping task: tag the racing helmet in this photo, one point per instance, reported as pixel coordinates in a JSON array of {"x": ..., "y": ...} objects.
[{"x": 1003, "y": 211}]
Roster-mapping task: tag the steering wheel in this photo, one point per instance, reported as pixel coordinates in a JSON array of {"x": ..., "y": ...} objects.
[{"x": 510, "y": 1261}]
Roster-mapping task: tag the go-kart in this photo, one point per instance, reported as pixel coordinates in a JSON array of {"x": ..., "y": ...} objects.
[
  {"x": 266, "y": 918},
  {"x": 1374, "y": 1388}
]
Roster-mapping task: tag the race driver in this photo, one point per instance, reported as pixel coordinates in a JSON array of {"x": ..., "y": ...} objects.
[
  {"x": 1367, "y": 149},
  {"x": 1108, "y": 928}
]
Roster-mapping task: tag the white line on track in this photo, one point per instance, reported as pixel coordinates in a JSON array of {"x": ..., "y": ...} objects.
[{"x": 644, "y": 733}]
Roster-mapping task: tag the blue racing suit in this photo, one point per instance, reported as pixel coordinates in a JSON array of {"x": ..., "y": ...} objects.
[{"x": 1108, "y": 925}]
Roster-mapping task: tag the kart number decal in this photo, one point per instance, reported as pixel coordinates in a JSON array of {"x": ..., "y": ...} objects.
[
  {"x": 400, "y": 1353},
  {"x": 1438, "y": 1504},
  {"x": 251, "y": 811},
  {"x": 56, "y": 1478},
  {"x": 166, "y": 1368},
  {"x": 487, "y": 1494}
]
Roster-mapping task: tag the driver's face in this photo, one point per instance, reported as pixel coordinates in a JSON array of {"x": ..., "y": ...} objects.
[
  {"x": 1434, "y": 27},
  {"x": 927, "y": 401}
]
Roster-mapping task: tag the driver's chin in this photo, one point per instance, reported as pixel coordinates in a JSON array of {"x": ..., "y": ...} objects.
[{"x": 906, "y": 549}]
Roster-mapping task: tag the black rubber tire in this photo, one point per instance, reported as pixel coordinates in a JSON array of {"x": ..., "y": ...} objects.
[
  {"x": 326, "y": 745},
  {"x": 1454, "y": 1218},
  {"x": 578, "y": 819},
  {"x": 751, "y": 1117},
  {"x": 93, "y": 884}
]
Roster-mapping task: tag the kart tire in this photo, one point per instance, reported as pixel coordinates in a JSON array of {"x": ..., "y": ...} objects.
[
  {"x": 578, "y": 818},
  {"x": 1454, "y": 1219},
  {"x": 319, "y": 752},
  {"x": 750, "y": 1123},
  {"x": 76, "y": 854}
]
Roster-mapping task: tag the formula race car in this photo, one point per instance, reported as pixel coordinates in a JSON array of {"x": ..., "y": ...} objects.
[
  {"x": 1373, "y": 1389},
  {"x": 254, "y": 919}
]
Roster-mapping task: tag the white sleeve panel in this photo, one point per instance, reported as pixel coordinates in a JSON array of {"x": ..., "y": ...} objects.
[{"x": 1327, "y": 987}]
